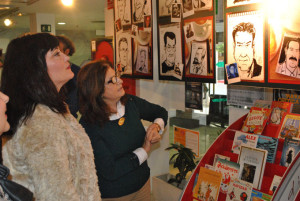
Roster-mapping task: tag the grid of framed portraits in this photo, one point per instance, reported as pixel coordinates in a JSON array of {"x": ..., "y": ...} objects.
[
  {"x": 264, "y": 55},
  {"x": 186, "y": 40},
  {"x": 133, "y": 38}
]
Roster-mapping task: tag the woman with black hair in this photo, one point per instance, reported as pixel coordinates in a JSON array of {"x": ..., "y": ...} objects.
[{"x": 48, "y": 152}]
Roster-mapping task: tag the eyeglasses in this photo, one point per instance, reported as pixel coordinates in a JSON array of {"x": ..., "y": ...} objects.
[{"x": 114, "y": 80}]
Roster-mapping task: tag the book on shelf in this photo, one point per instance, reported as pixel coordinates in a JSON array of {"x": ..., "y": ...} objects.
[
  {"x": 219, "y": 156},
  {"x": 289, "y": 127},
  {"x": 260, "y": 196},
  {"x": 256, "y": 120},
  {"x": 270, "y": 144},
  {"x": 229, "y": 171},
  {"x": 245, "y": 139},
  {"x": 276, "y": 181},
  {"x": 279, "y": 109},
  {"x": 252, "y": 165},
  {"x": 208, "y": 185},
  {"x": 239, "y": 190},
  {"x": 290, "y": 149}
]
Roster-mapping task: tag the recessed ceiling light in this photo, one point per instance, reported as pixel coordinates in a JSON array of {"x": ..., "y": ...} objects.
[
  {"x": 61, "y": 23},
  {"x": 7, "y": 22},
  {"x": 4, "y": 8},
  {"x": 67, "y": 2}
]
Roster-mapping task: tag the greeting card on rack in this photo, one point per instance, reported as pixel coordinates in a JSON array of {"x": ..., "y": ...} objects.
[
  {"x": 245, "y": 39},
  {"x": 219, "y": 156},
  {"x": 279, "y": 109},
  {"x": 256, "y": 120},
  {"x": 243, "y": 139},
  {"x": 252, "y": 165},
  {"x": 289, "y": 127},
  {"x": 239, "y": 190},
  {"x": 276, "y": 181},
  {"x": 270, "y": 144},
  {"x": 229, "y": 170},
  {"x": 260, "y": 196},
  {"x": 208, "y": 185},
  {"x": 290, "y": 149}
]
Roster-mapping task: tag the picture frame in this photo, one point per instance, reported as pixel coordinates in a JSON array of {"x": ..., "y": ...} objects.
[
  {"x": 245, "y": 44},
  {"x": 170, "y": 50},
  {"x": 203, "y": 28}
]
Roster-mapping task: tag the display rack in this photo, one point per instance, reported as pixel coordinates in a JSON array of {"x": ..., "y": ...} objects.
[{"x": 223, "y": 144}]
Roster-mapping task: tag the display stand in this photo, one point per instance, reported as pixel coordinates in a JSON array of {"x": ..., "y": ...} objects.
[{"x": 223, "y": 144}]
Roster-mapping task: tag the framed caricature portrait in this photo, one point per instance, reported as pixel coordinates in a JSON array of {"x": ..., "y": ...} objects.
[
  {"x": 203, "y": 5},
  {"x": 199, "y": 52},
  {"x": 176, "y": 12},
  {"x": 170, "y": 49},
  {"x": 142, "y": 55},
  {"x": 165, "y": 7},
  {"x": 140, "y": 8},
  {"x": 141, "y": 65},
  {"x": 187, "y": 8},
  {"x": 123, "y": 11},
  {"x": 199, "y": 58},
  {"x": 245, "y": 44},
  {"x": 123, "y": 53},
  {"x": 284, "y": 67},
  {"x": 232, "y": 3}
]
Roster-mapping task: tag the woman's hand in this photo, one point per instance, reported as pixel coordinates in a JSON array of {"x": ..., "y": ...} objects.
[
  {"x": 152, "y": 136},
  {"x": 152, "y": 133}
]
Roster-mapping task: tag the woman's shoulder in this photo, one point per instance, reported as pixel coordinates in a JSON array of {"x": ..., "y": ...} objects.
[{"x": 43, "y": 118}]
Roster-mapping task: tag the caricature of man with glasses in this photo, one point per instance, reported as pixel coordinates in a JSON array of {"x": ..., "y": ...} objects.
[{"x": 123, "y": 66}]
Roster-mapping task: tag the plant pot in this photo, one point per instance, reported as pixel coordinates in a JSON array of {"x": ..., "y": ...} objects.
[{"x": 163, "y": 191}]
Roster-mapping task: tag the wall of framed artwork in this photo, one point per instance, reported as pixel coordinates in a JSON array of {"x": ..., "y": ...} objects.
[
  {"x": 264, "y": 45},
  {"x": 133, "y": 38},
  {"x": 186, "y": 40}
]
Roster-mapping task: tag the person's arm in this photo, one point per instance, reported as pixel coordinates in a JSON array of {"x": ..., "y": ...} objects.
[
  {"x": 107, "y": 165},
  {"x": 153, "y": 113},
  {"x": 149, "y": 111},
  {"x": 46, "y": 152}
]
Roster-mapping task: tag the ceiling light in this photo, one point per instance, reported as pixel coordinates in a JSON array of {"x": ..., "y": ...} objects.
[
  {"x": 7, "y": 22},
  {"x": 67, "y": 2},
  {"x": 61, "y": 23}
]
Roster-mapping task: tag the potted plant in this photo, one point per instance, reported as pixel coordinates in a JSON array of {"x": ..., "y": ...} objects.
[
  {"x": 168, "y": 187},
  {"x": 184, "y": 161}
]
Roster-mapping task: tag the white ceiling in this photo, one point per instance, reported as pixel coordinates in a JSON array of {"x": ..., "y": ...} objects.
[{"x": 83, "y": 15}]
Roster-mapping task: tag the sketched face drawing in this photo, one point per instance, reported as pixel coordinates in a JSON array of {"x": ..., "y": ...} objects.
[
  {"x": 243, "y": 50},
  {"x": 199, "y": 55},
  {"x": 142, "y": 57},
  {"x": 121, "y": 8},
  {"x": 139, "y": 8},
  {"x": 123, "y": 51},
  {"x": 292, "y": 54},
  {"x": 170, "y": 49}
]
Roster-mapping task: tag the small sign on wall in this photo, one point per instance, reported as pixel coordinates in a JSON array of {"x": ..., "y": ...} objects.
[{"x": 46, "y": 28}]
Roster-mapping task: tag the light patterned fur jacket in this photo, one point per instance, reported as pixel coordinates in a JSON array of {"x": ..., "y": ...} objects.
[{"x": 53, "y": 157}]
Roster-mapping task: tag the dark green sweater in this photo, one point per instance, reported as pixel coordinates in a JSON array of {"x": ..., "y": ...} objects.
[{"x": 118, "y": 169}]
